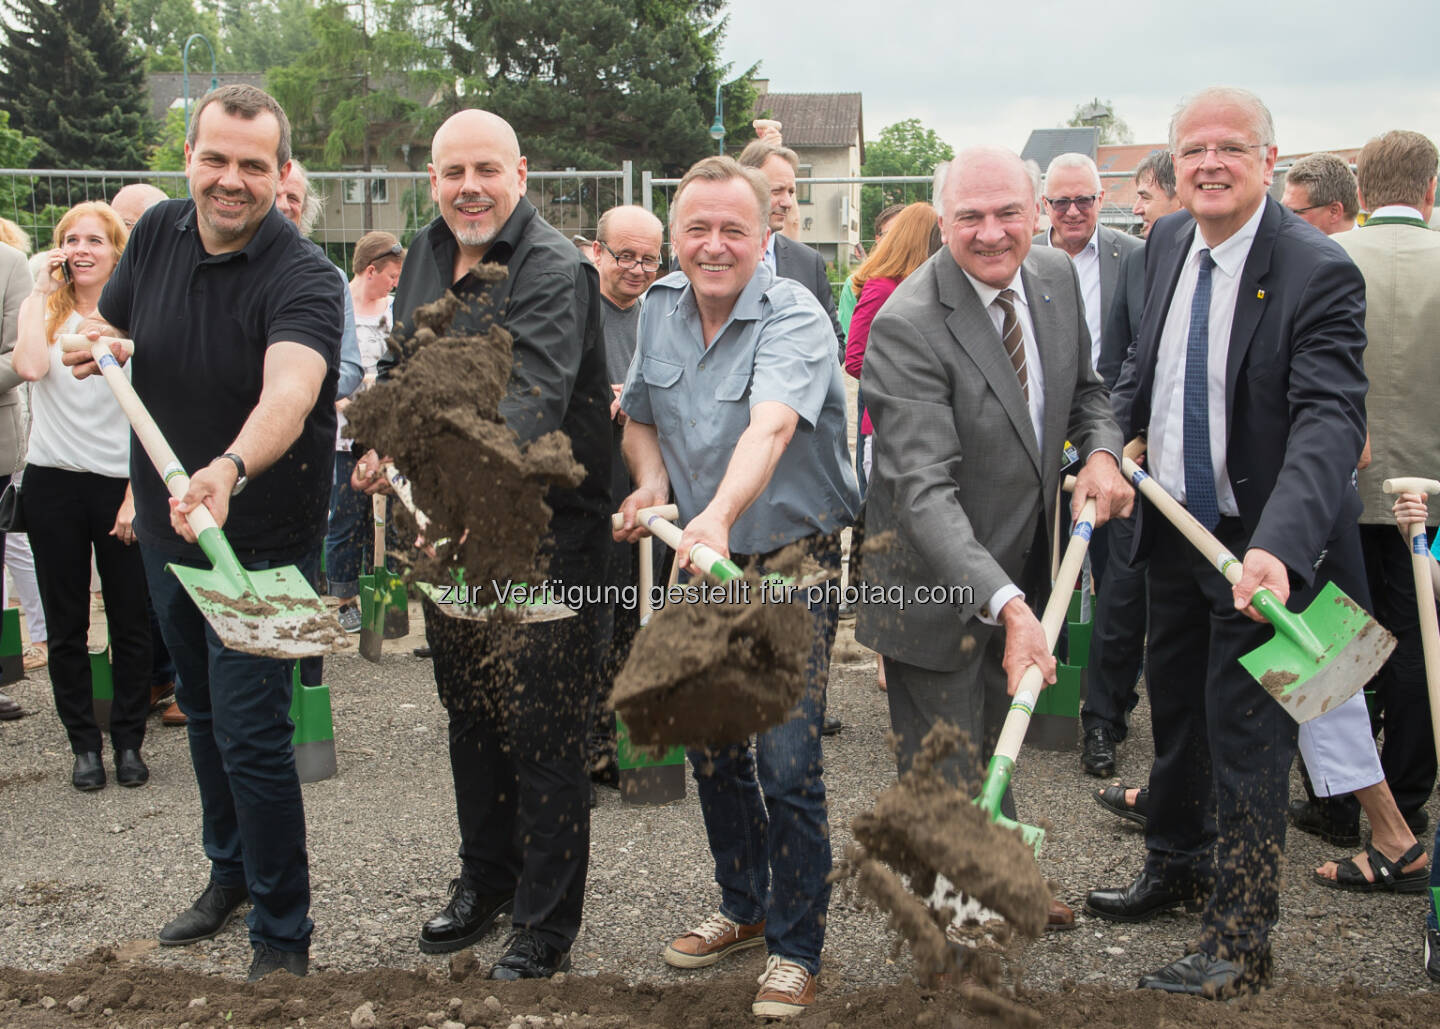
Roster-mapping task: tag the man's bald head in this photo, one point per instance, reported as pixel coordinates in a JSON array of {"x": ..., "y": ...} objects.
[
  {"x": 990, "y": 205},
  {"x": 627, "y": 240},
  {"x": 477, "y": 176},
  {"x": 134, "y": 200}
]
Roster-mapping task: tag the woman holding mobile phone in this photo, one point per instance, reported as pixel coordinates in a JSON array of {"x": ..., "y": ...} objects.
[{"x": 76, "y": 496}]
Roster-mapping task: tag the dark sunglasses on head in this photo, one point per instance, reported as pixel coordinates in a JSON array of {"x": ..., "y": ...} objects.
[{"x": 1062, "y": 204}]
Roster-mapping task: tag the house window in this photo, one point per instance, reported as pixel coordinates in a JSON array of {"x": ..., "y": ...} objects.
[
  {"x": 802, "y": 188},
  {"x": 355, "y": 188}
]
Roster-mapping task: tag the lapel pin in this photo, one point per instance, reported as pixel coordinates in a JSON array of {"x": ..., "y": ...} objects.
[
  {"x": 1260, "y": 294},
  {"x": 1045, "y": 298}
]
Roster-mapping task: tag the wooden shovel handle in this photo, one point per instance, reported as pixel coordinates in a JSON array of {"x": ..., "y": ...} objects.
[
  {"x": 1424, "y": 595},
  {"x": 667, "y": 511},
  {"x": 1425, "y": 487},
  {"x": 377, "y": 514},
  {"x": 703, "y": 555},
  {"x": 161, "y": 456},
  {"x": 70, "y": 342},
  {"x": 401, "y": 486},
  {"x": 1226, "y": 563}
]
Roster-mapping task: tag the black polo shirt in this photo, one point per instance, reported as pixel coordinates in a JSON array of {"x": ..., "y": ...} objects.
[
  {"x": 202, "y": 324},
  {"x": 550, "y": 304}
]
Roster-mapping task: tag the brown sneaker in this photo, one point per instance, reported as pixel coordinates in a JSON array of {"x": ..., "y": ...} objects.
[
  {"x": 711, "y": 940},
  {"x": 785, "y": 989},
  {"x": 162, "y": 694},
  {"x": 173, "y": 715}
]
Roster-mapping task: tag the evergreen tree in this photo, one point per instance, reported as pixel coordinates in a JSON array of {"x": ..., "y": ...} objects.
[
  {"x": 161, "y": 27},
  {"x": 69, "y": 76},
  {"x": 590, "y": 83}
]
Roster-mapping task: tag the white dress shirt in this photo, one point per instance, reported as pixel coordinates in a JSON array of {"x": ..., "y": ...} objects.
[
  {"x": 1035, "y": 376},
  {"x": 1166, "y": 438},
  {"x": 1087, "y": 267}
]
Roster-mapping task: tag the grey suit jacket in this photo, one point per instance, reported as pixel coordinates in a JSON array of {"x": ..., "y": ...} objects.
[
  {"x": 16, "y": 284},
  {"x": 1113, "y": 246},
  {"x": 1401, "y": 265},
  {"x": 797, "y": 261},
  {"x": 959, "y": 476}
]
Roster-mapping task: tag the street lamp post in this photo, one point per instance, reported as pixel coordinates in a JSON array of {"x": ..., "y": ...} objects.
[
  {"x": 717, "y": 128},
  {"x": 185, "y": 71}
]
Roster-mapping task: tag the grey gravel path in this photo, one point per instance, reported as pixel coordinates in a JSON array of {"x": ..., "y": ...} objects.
[{"x": 81, "y": 870}]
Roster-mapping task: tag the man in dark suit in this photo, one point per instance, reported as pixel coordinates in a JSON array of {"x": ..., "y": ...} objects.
[
  {"x": 1118, "y": 642},
  {"x": 787, "y": 258},
  {"x": 1247, "y": 375},
  {"x": 977, "y": 371}
]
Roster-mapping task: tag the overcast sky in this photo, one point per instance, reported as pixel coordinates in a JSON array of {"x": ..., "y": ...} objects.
[{"x": 978, "y": 76}]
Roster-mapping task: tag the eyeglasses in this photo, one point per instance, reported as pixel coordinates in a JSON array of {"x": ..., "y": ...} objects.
[
  {"x": 1082, "y": 204},
  {"x": 1228, "y": 153},
  {"x": 1312, "y": 207},
  {"x": 649, "y": 264}
]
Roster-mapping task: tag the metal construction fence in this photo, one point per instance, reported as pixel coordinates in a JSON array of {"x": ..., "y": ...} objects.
[{"x": 353, "y": 203}]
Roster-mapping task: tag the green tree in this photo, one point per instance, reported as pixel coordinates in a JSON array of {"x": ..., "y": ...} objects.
[
  {"x": 69, "y": 76},
  {"x": 359, "y": 91},
  {"x": 1101, "y": 114},
  {"x": 905, "y": 148},
  {"x": 160, "y": 27},
  {"x": 169, "y": 151},
  {"x": 590, "y": 83},
  {"x": 16, "y": 151},
  {"x": 257, "y": 35}
]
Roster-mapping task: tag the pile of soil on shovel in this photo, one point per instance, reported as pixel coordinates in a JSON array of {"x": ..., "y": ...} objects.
[
  {"x": 438, "y": 418},
  {"x": 715, "y": 671},
  {"x": 923, "y": 827},
  {"x": 103, "y": 990}
]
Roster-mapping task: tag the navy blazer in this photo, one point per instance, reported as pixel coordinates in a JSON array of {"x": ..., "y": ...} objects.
[
  {"x": 1294, "y": 382},
  {"x": 799, "y": 262}
]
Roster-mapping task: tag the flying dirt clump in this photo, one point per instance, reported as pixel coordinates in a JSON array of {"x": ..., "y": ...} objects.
[
  {"x": 923, "y": 827},
  {"x": 715, "y": 671},
  {"x": 438, "y": 418}
]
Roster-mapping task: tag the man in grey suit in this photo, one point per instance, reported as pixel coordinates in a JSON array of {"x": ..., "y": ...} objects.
[
  {"x": 16, "y": 283},
  {"x": 977, "y": 371}
]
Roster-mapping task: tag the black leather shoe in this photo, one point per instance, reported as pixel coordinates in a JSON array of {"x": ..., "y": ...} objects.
[
  {"x": 206, "y": 917},
  {"x": 88, "y": 774},
  {"x": 527, "y": 956},
  {"x": 831, "y": 726},
  {"x": 1098, "y": 757},
  {"x": 1142, "y": 900},
  {"x": 1432, "y": 955},
  {"x": 130, "y": 769},
  {"x": 466, "y": 917},
  {"x": 424, "y": 653},
  {"x": 268, "y": 959},
  {"x": 1317, "y": 820},
  {"x": 1204, "y": 976}
]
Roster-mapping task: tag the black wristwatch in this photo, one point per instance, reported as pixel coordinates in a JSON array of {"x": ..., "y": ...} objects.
[{"x": 242, "y": 480}]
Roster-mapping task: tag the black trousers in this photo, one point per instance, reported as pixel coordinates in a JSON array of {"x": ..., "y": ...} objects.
[
  {"x": 1223, "y": 746},
  {"x": 1117, "y": 642},
  {"x": 1402, "y": 704},
  {"x": 518, "y": 697},
  {"x": 67, "y": 513}
]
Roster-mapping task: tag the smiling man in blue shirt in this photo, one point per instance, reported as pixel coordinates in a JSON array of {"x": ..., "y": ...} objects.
[{"x": 735, "y": 401}]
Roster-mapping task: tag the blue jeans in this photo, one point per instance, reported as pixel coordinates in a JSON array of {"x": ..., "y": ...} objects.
[
  {"x": 348, "y": 534},
  {"x": 238, "y": 706},
  {"x": 765, "y": 812}
]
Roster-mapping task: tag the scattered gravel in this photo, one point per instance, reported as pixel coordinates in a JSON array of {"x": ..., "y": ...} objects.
[{"x": 84, "y": 870}]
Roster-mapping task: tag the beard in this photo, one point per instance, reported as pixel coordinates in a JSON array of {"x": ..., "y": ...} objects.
[{"x": 472, "y": 235}]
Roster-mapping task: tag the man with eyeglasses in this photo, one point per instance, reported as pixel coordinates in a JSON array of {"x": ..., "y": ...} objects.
[
  {"x": 1321, "y": 189},
  {"x": 626, "y": 253},
  {"x": 1247, "y": 380}
]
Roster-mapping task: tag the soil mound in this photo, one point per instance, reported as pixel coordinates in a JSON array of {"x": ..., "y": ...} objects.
[{"x": 437, "y": 417}]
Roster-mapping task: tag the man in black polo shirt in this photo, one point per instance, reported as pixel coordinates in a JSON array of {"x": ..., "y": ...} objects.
[
  {"x": 237, "y": 326},
  {"x": 518, "y": 724}
]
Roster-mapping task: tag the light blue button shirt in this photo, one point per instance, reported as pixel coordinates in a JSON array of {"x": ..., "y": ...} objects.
[{"x": 778, "y": 345}]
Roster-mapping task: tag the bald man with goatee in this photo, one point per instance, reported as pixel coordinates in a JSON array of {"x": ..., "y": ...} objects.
[{"x": 517, "y": 694}]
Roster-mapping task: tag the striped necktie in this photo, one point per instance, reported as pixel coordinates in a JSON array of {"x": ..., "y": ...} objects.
[{"x": 1013, "y": 340}]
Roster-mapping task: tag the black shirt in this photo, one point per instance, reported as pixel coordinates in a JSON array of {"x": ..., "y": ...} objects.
[
  {"x": 550, "y": 304},
  {"x": 202, "y": 324}
]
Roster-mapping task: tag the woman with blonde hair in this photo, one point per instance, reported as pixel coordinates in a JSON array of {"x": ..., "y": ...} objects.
[{"x": 76, "y": 496}]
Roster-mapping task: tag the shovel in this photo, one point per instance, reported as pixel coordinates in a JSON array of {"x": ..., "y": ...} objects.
[
  {"x": 458, "y": 600},
  {"x": 1318, "y": 658},
  {"x": 1424, "y": 594},
  {"x": 658, "y": 522},
  {"x": 374, "y": 595},
  {"x": 1012, "y": 733},
  {"x": 273, "y": 612}
]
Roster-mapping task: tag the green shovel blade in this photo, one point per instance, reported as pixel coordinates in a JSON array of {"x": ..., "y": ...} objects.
[
  {"x": 279, "y": 615},
  {"x": 997, "y": 780},
  {"x": 1320, "y": 657}
]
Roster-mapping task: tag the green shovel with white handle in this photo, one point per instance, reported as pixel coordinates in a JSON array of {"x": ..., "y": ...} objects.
[{"x": 273, "y": 612}]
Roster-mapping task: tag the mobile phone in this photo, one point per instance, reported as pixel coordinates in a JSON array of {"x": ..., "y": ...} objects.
[{"x": 65, "y": 275}]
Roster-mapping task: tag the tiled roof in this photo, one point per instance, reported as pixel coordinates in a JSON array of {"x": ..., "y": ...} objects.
[
  {"x": 1044, "y": 145},
  {"x": 814, "y": 119},
  {"x": 168, "y": 86}
]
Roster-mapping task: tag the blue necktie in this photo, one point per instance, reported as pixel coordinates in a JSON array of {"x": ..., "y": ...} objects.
[{"x": 1199, "y": 472}]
